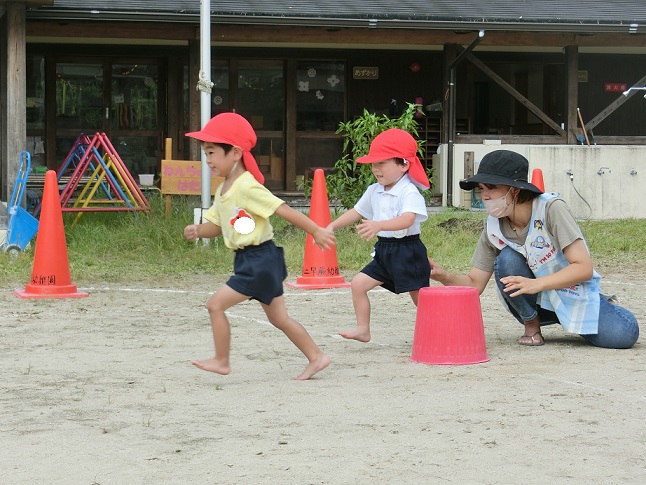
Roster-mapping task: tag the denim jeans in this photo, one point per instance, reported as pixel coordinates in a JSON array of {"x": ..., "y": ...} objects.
[{"x": 618, "y": 327}]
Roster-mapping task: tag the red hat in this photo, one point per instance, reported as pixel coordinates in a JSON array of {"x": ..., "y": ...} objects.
[
  {"x": 397, "y": 143},
  {"x": 232, "y": 129}
]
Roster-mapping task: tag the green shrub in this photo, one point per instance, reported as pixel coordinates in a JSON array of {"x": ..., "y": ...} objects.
[{"x": 349, "y": 179}]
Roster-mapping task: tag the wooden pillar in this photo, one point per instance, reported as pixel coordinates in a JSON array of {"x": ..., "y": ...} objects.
[
  {"x": 14, "y": 94},
  {"x": 290, "y": 138},
  {"x": 3, "y": 115},
  {"x": 572, "y": 60}
]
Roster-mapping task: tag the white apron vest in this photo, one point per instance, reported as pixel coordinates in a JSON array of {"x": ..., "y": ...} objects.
[{"x": 577, "y": 307}]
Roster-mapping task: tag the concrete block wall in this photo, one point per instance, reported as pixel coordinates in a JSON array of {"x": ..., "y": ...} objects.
[{"x": 607, "y": 182}]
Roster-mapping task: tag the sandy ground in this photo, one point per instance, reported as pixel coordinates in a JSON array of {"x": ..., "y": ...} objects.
[{"x": 100, "y": 391}]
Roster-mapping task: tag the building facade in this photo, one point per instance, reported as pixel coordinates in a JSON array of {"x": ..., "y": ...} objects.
[{"x": 506, "y": 73}]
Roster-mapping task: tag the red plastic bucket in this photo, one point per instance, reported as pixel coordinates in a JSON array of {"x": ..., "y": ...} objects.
[{"x": 448, "y": 327}]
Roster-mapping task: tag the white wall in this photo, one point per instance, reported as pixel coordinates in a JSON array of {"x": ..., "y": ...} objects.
[{"x": 617, "y": 192}]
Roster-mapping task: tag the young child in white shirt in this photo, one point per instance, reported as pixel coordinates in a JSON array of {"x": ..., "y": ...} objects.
[{"x": 391, "y": 209}]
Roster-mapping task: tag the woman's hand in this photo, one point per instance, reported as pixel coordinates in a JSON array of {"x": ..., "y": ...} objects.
[
  {"x": 437, "y": 272},
  {"x": 579, "y": 269},
  {"x": 521, "y": 285},
  {"x": 475, "y": 278}
]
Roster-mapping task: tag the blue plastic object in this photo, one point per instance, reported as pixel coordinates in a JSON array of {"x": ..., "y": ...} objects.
[{"x": 22, "y": 225}]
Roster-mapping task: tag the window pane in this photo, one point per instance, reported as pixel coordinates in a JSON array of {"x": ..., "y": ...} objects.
[
  {"x": 79, "y": 97},
  {"x": 261, "y": 94},
  {"x": 270, "y": 154},
  {"x": 36, "y": 109},
  {"x": 320, "y": 95},
  {"x": 134, "y": 97},
  {"x": 220, "y": 90}
]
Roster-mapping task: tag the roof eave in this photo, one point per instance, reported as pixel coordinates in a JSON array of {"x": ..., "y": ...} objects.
[{"x": 341, "y": 22}]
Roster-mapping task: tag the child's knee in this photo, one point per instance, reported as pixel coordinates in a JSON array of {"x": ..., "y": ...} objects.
[{"x": 213, "y": 305}]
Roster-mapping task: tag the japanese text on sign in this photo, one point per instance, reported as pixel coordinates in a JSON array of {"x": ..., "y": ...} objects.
[
  {"x": 184, "y": 177},
  {"x": 365, "y": 73},
  {"x": 615, "y": 87}
]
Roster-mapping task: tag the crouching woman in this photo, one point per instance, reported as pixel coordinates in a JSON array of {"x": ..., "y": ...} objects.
[{"x": 536, "y": 250}]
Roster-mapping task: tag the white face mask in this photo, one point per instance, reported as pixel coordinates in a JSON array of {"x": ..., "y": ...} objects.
[{"x": 498, "y": 207}]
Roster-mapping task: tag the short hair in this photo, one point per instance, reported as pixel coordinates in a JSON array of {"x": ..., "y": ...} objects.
[
  {"x": 225, "y": 146},
  {"x": 525, "y": 195}
]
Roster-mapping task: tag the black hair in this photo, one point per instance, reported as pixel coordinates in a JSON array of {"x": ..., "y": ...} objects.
[
  {"x": 526, "y": 196},
  {"x": 523, "y": 196},
  {"x": 227, "y": 147},
  {"x": 400, "y": 161}
]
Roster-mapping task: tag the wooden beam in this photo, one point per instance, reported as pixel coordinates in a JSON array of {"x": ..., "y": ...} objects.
[
  {"x": 614, "y": 105},
  {"x": 620, "y": 140},
  {"x": 16, "y": 84},
  {"x": 519, "y": 97},
  {"x": 30, "y": 3},
  {"x": 290, "y": 125},
  {"x": 513, "y": 139},
  {"x": 303, "y": 36},
  {"x": 113, "y": 30}
]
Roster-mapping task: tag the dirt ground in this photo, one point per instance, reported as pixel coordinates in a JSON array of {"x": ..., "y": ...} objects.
[{"x": 100, "y": 390}]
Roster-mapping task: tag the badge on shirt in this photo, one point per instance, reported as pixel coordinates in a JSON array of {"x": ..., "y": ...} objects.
[{"x": 242, "y": 222}]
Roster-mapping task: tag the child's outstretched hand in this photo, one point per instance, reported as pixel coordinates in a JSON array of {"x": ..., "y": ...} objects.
[
  {"x": 368, "y": 229},
  {"x": 190, "y": 233},
  {"x": 324, "y": 237}
]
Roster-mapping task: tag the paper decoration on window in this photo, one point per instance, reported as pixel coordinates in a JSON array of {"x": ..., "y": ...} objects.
[
  {"x": 217, "y": 100},
  {"x": 303, "y": 86},
  {"x": 311, "y": 72},
  {"x": 333, "y": 80},
  {"x": 319, "y": 94}
]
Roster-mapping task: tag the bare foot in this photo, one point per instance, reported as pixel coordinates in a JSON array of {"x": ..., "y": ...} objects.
[
  {"x": 313, "y": 368},
  {"x": 357, "y": 334},
  {"x": 212, "y": 365}
]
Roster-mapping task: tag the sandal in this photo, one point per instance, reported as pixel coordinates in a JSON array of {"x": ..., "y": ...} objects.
[{"x": 533, "y": 342}]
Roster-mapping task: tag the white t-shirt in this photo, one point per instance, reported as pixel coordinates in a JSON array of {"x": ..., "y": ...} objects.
[{"x": 377, "y": 204}]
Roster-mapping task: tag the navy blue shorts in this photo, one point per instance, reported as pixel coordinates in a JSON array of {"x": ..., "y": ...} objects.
[
  {"x": 259, "y": 272},
  {"x": 401, "y": 264}
]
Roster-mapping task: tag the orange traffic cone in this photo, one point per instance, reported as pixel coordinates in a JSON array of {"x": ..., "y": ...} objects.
[
  {"x": 537, "y": 179},
  {"x": 320, "y": 267},
  {"x": 50, "y": 277}
]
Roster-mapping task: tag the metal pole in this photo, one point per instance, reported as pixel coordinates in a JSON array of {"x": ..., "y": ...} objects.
[
  {"x": 451, "y": 141},
  {"x": 204, "y": 85}
]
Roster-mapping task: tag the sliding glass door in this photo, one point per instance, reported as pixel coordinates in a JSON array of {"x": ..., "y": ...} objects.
[{"x": 120, "y": 99}]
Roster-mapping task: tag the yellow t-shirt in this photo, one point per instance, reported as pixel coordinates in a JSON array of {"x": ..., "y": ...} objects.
[{"x": 245, "y": 198}]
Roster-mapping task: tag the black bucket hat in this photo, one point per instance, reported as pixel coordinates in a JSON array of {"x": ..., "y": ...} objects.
[{"x": 502, "y": 167}]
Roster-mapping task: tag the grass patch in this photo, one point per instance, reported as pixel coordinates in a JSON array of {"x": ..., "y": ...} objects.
[{"x": 118, "y": 247}]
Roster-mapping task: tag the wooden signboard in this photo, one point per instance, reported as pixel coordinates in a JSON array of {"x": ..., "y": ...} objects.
[{"x": 183, "y": 177}]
